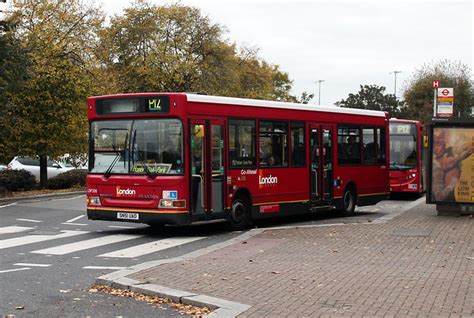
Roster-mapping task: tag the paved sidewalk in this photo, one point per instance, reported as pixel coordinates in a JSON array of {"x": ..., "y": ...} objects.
[{"x": 417, "y": 264}]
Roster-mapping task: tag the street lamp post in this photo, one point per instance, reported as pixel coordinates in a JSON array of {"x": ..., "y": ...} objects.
[
  {"x": 395, "y": 85},
  {"x": 319, "y": 90}
]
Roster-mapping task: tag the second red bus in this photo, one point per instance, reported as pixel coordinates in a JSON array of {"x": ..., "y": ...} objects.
[{"x": 406, "y": 156}]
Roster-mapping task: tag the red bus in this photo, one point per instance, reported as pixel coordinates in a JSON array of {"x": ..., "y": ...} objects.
[
  {"x": 406, "y": 156},
  {"x": 179, "y": 158}
]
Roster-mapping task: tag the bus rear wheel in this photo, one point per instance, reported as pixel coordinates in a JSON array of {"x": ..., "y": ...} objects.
[
  {"x": 348, "y": 201},
  {"x": 240, "y": 215}
]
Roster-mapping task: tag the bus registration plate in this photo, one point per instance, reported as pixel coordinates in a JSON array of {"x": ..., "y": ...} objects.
[{"x": 127, "y": 216}]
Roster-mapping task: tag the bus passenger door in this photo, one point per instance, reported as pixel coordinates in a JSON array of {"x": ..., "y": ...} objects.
[
  {"x": 321, "y": 159},
  {"x": 217, "y": 166},
  {"x": 315, "y": 173},
  {"x": 198, "y": 166},
  {"x": 207, "y": 166},
  {"x": 327, "y": 161}
]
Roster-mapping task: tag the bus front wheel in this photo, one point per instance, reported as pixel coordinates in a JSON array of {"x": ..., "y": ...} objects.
[{"x": 240, "y": 215}]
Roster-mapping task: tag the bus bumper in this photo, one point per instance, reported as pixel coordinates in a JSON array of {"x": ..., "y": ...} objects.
[{"x": 122, "y": 215}]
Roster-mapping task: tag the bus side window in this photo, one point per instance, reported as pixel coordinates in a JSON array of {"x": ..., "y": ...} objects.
[
  {"x": 348, "y": 145},
  {"x": 242, "y": 143},
  {"x": 368, "y": 136},
  {"x": 272, "y": 141},
  {"x": 381, "y": 153},
  {"x": 298, "y": 144}
]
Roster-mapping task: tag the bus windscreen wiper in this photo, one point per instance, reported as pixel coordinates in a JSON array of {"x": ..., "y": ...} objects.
[
  {"x": 150, "y": 174},
  {"x": 108, "y": 172}
]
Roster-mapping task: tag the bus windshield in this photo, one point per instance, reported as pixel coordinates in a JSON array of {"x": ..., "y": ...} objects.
[
  {"x": 142, "y": 146},
  {"x": 403, "y": 146}
]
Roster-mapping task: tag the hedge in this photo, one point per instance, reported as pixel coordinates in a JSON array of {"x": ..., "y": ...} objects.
[
  {"x": 68, "y": 179},
  {"x": 17, "y": 180}
]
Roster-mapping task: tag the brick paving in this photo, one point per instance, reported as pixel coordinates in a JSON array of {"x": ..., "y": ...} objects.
[{"x": 417, "y": 264}]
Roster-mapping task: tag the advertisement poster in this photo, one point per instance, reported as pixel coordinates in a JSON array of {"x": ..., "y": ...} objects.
[{"x": 452, "y": 177}]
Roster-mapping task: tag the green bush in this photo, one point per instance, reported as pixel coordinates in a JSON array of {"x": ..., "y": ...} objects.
[
  {"x": 17, "y": 180},
  {"x": 68, "y": 179}
]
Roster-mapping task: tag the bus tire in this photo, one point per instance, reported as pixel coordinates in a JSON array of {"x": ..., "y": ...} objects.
[
  {"x": 348, "y": 201},
  {"x": 240, "y": 218}
]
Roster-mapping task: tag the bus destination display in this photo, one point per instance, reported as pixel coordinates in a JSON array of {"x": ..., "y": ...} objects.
[{"x": 157, "y": 104}]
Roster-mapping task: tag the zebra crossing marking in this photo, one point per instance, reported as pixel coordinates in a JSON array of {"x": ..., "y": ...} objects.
[
  {"x": 29, "y": 220},
  {"x": 87, "y": 244},
  {"x": 32, "y": 265},
  {"x": 75, "y": 219},
  {"x": 151, "y": 247},
  {"x": 30, "y": 239},
  {"x": 79, "y": 224},
  {"x": 14, "y": 229}
]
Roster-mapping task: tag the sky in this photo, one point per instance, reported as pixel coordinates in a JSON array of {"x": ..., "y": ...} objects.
[{"x": 343, "y": 43}]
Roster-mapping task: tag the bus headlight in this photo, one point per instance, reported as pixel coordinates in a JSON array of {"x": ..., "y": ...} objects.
[
  {"x": 168, "y": 203},
  {"x": 93, "y": 200}
]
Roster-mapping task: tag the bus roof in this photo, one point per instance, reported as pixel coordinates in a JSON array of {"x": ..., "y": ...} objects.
[
  {"x": 401, "y": 120},
  {"x": 281, "y": 105},
  {"x": 258, "y": 103}
]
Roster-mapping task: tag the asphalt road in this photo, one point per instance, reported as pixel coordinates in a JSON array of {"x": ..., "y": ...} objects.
[{"x": 51, "y": 255}]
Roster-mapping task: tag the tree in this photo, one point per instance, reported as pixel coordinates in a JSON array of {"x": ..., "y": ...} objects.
[
  {"x": 419, "y": 92},
  {"x": 176, "y": 48},
  {"x": 372, "y": 97},
  {"x": 305, "y": 98},
  {"x": 47, "y": 117},
  {"x": 13, "y": 74}
]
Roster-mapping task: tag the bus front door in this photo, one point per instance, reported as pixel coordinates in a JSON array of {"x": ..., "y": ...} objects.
[
  {"x": 321, "y": 166},
  {"x": 207, "y": 166}
]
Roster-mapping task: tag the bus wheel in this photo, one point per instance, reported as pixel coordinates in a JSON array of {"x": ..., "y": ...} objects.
[
  {"x": 348, "y": 201},
  {"x": 240, "y": 215}
]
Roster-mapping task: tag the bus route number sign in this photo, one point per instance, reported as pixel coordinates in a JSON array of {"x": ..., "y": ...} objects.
[
  {"x": 158, "y": 104},
  {"x": 154, "y": 104}
]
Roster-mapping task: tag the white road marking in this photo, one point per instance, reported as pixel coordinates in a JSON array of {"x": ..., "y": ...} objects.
[
  {"x": 71, "y": 198},
  {"x": 121, "y": 227},
  {"x": 32, "y": 265},
  {"x": 29, "y": 220},
  {"x": 15, "y": 270},
  {"x": 148, "y": 248},
  {"x": 14, "y": 229},
  {"x": 80, "y": 224},
  {"x": 104, "y": 267},
  {"x": 7, "y": 205},
  {"x": 86, "y": 244},
  {"x": 75, "y": 219},
  {"x": 29, "y": 239}
]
